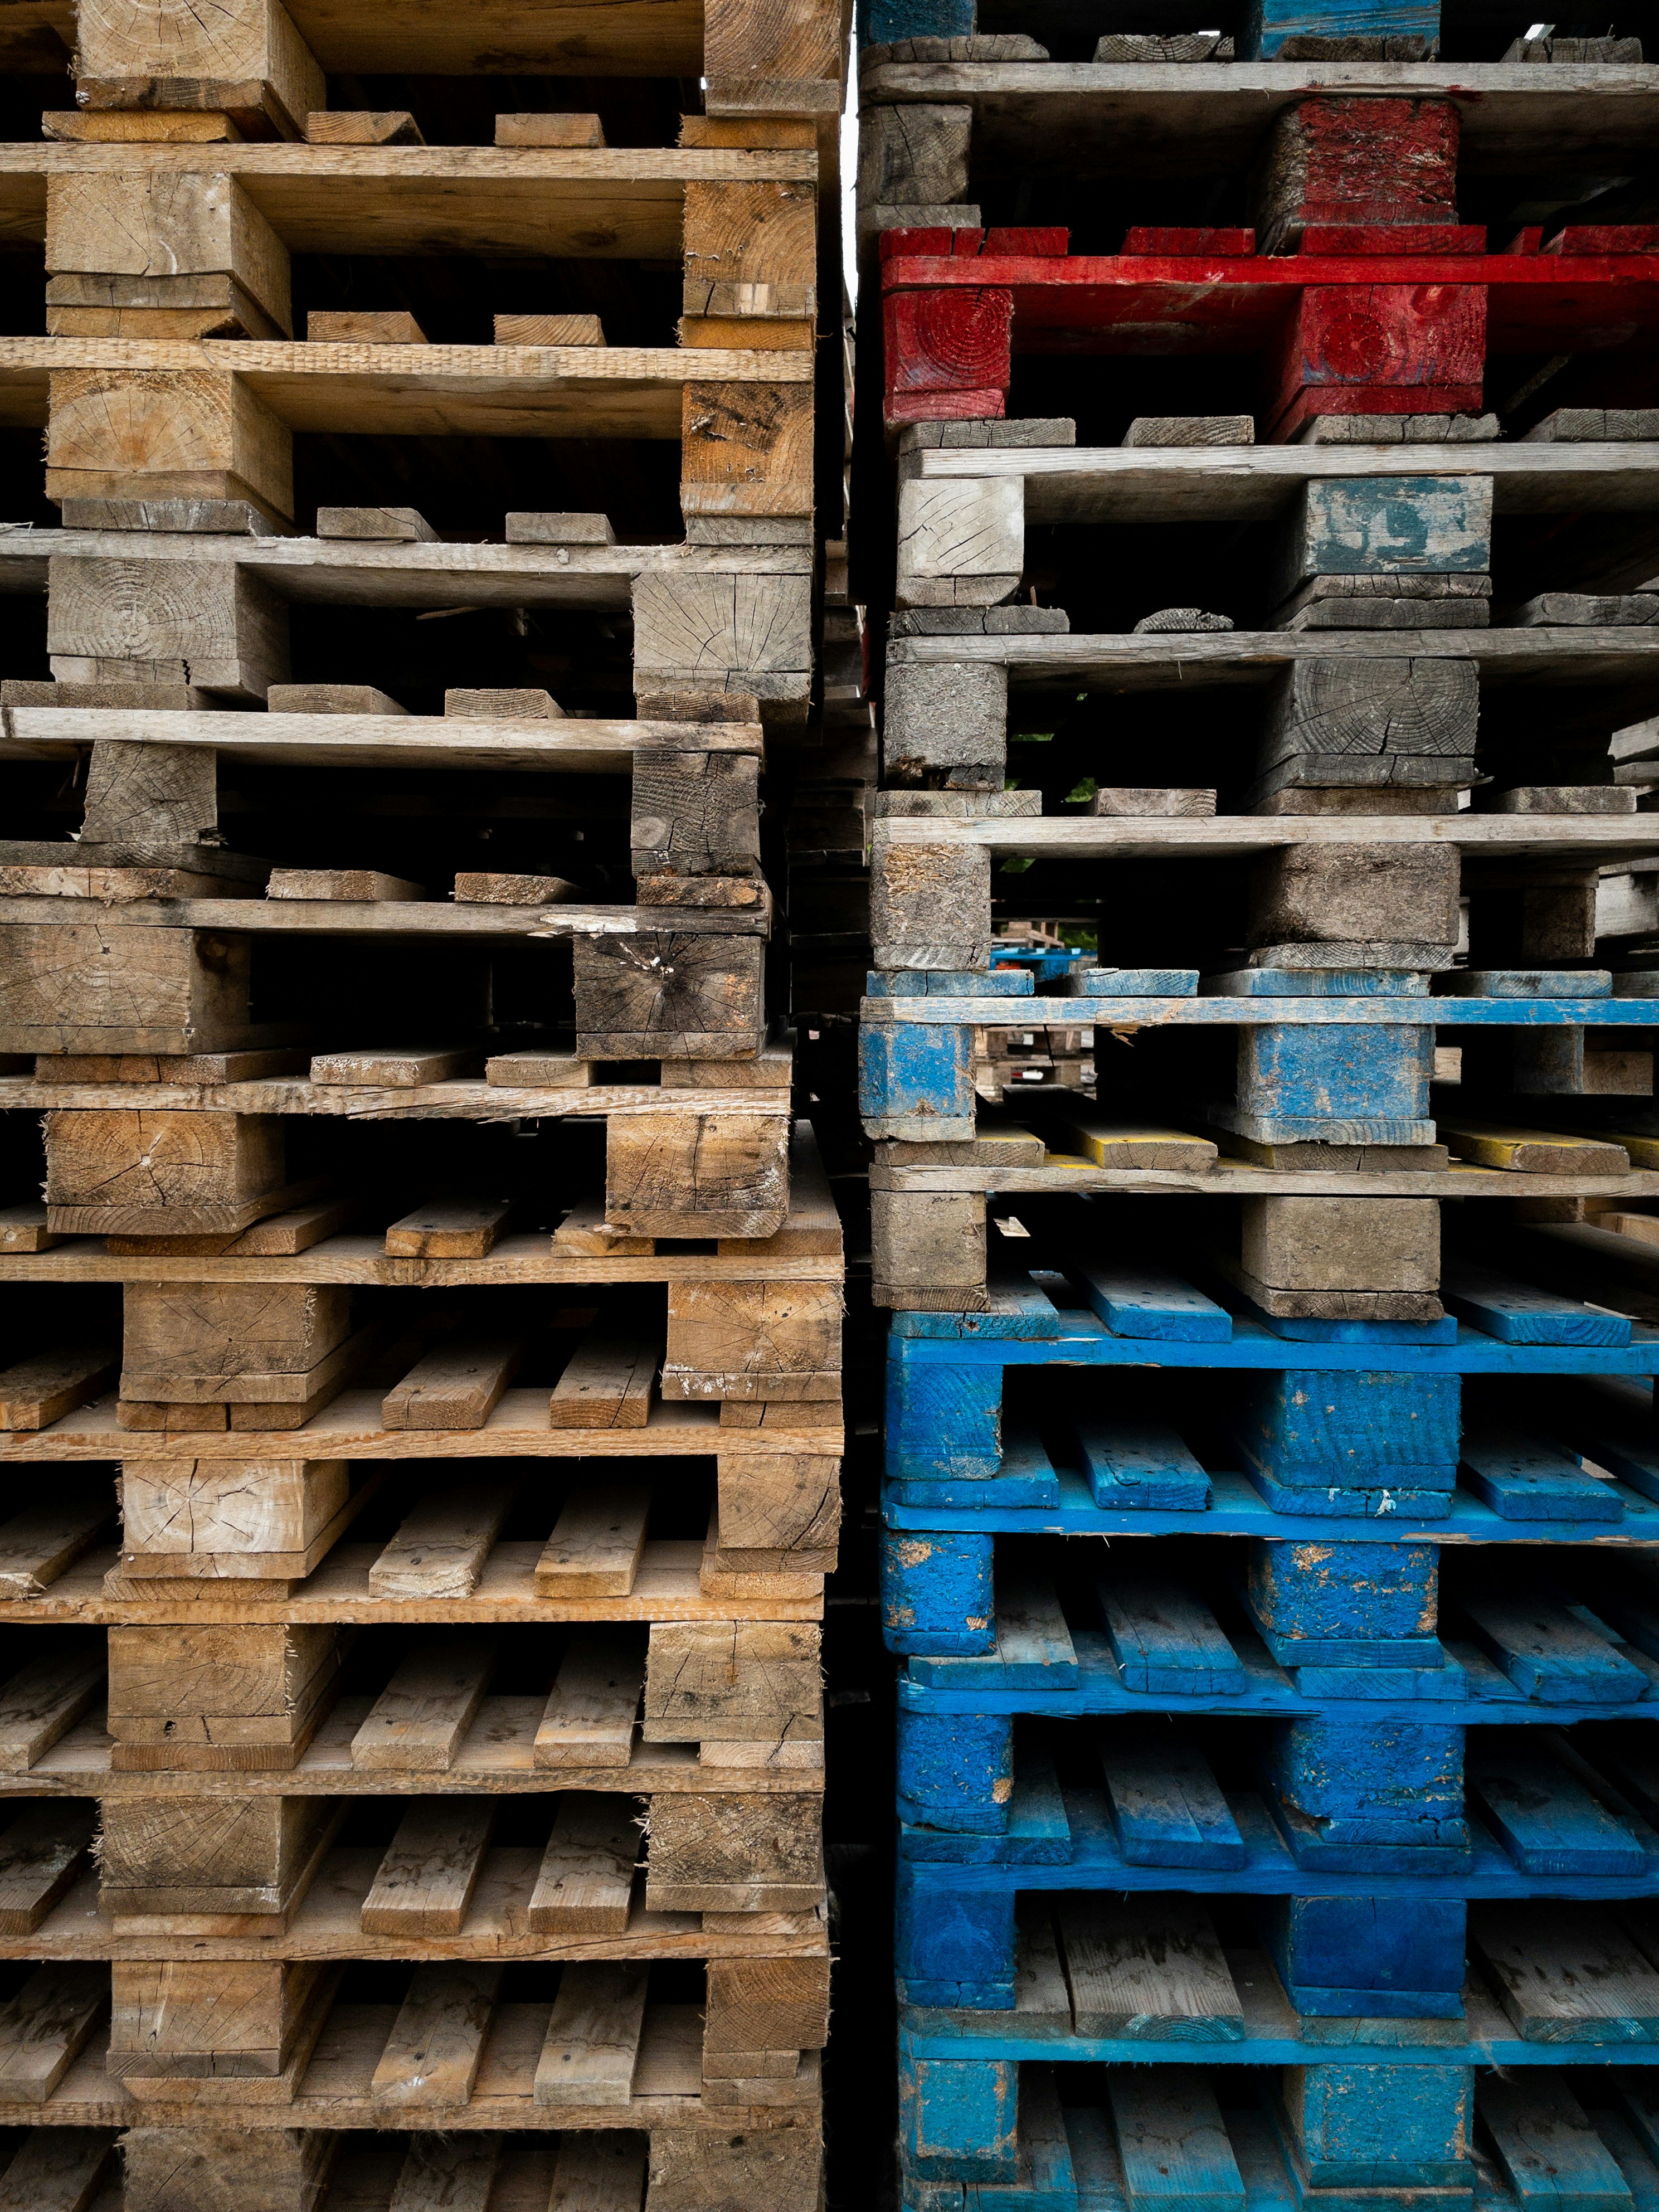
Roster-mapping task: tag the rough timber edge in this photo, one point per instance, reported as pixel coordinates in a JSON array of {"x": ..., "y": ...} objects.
[
  {"x": 517, "y": 1259},
  {"x": 1234, "y": 1178},
  {"x": 348, "y": 1428}
]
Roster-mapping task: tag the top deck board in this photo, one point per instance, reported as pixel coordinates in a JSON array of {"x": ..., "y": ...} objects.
[
  {"x": 405, "y": 391},
  {"x": 606, "y": 202},
  {"x": 1206, "y": 484},
  {"x": 1152, "y": 119}
]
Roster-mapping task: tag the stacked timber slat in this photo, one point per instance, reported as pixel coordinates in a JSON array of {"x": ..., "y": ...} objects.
[
  {"x": 420, "y": 1410},
  {"x": 1271, "y": 589}
]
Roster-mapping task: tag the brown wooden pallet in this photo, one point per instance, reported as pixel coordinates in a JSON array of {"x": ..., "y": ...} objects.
[
  {"x": 357, "y": 2066},
  {"x": 327, "y": 1923},
  {"x": 188, "y": 1696},
  {"x": 165, "y": 2170}
]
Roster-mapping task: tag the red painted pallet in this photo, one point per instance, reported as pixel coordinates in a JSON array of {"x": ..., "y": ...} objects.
[{"x": 1366, "y": 319}]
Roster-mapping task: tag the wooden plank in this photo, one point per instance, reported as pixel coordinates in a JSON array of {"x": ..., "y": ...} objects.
[
  {"x": 395, "y": 1071},
  {"x": 58, "y": 2170},
  {"x": 597, "y": 1542},
  {"x": 1165, "y": 1639},
  {"x": 1548, "y": 2152},
  {"x": 585, "y": 1884},
  {"x": 585, "y": 1228},
  {"x": 417, "y": 1723},
  {"x": 593, "y": 2033},
  {"x": 43, "y": 1701},
  {"x": 1109, "y": 1140},
  {"x": 1547, "y": 1820},
  {"x": 41, "y": 1390},
  {"x": 43, "y": 1852},
  {"x": 599, "y": 2172},
  {"x": 452, "y": 1228},
  {"x": 608, "y": 1383},
  {"x": 1167, "y": 1806},
  {"x": 448, "y": 2174},
  {"x": 440, "y": 1549},
  {"x": 1128, "y": 1462},
  {"x": 39, "y": 1544},
  {"x": 424, "y": 1884},
  {"x": 1530, "y": 1152},
  {"x": 595, "y": 1702},
  {"x": 1519, "y": 1313},
  {"x": 23, "y": 1228},
  {"x": 456, "y": 1385},
  {"x": 1568, "y": 1977},
  {"x": 1150, "y": 1968},
  {"x": 47, "y": 2026},
  {"x": 431, "y": 2058},
  {"x": 1173, "y": 2140},
  {"x": 1149, "y": 1302}
]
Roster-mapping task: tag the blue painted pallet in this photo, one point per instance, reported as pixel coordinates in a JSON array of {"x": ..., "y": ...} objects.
[
  {"x": 1077, "y": 1827},
  {"x": 1268, "y": 25},
  {"x": 1234, "y": 1509},
  {"x": 1191, "y": 2141},
  {"x": 1096, "y": 1684}
]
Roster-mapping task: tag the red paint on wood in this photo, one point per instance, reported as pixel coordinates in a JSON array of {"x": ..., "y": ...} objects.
[
  {"x": 1606, "y": 238},
  {"x": 948, "y": 341},
  {"x": 931, "y": 243},
  {"x": 1348, "y": 241},
  {"x": 1381, "y": 350},
  {"x": 1179, "y": 243},
  {"x": 1046, "y": 243},
  {"x": 1529, "y": 240},
  {"x": 900, "y": 408}
]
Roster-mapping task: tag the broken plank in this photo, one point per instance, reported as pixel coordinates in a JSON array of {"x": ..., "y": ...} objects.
[
  {"x": 455, "y": 1386},
  {"x": 431, "y": 2057},
  {"x": 593, "y": 2033},
  {"x": 585, "y": 1885},
  {"x": 450, "y": 1229},
  {"x": 595, "y": 1702},
  {"x": 425, "y": 1883},
  {"x": 440, "y": 1549},
  {"x": 417, "y": 1723},
  {"x": 597, "y": 1542}
]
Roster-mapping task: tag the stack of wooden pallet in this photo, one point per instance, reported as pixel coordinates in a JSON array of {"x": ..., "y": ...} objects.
[
  {"x": 422, "y": 1402},
  {"x": 1270, "y": 591}
]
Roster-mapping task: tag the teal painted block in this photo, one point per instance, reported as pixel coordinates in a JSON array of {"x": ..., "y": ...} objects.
[
  {"x": 1404, "y": 525},
  {"x": 1269, "y": 24},
  {"x": 1345, "y": 1603},
  {"x": 944, "y": 1424},
  {"x": 959, "y": 2118},
  {"x": 1336, "y": 1073},
  {"x": 1379, "y": 2127},
  {"x": 936, "y": 1593},
  {"x": 915, "y": 1081}
]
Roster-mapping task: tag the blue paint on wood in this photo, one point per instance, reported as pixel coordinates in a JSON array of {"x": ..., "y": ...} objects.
[
  {"x": 1353, "y": 1501},
  {"x": 1546, "y": 1818},
  {"x": 1153, "y": 1303},
  {"x": 953, "y": 1938},
  {"x": 1026, "y": 1481},
  {"x": 1140, "y": 1464},
  {"x": 956, "y": 1769},
  {"x": 1313, "y": 1426},
  {"x": 1346, "y": 1604},
  {"x": 1552, "y": 1651},
  {"x": 1378, "y": 2127},
  {"x": 1135, "y": 983},
  {"x": 1387, "y": 1958},
  {"x": 1164, "y": 1639},
  {"x": 1167, "y": 1807},
  {"x": 1317, "y": 983},
  {"x": 936, "y": 1593},
  {"x": 1369, "y": 1075},
  {"x": 1401, "y": 525},
  {"x": 1269, "y": 24},
  {"x": 1173, "y": 2142},
  {"x": 1516, "y": 1313},
  {"x": 1523, "y": 1479},
  {"x": 1359, "y": 1790},
  {"x": 915, "y": 1081},
  {"x": 1000, "y": 983},
  {"x": 958, "y": 2118},
  {"x": 944, "y": 1424},
  {"x": 1547, "y": 2151}
]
